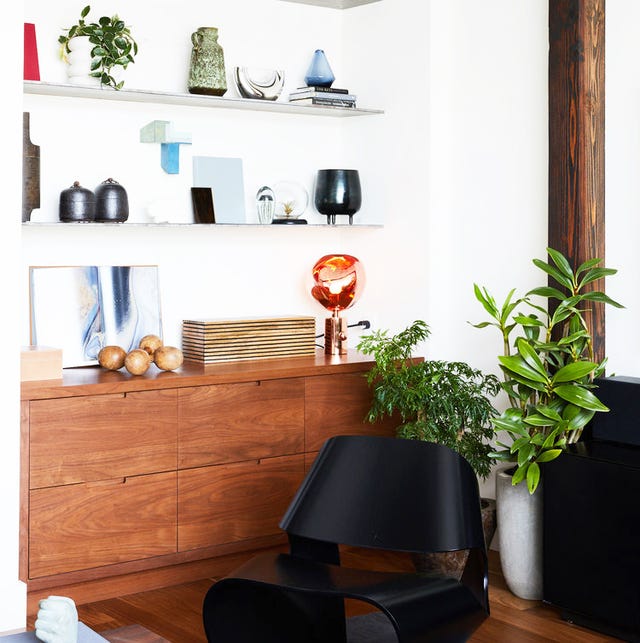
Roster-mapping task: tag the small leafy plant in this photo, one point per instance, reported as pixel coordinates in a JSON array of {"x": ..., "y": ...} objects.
[
  {"x": 549, "y": 367},
  {"x": 113, "y": 45},
  {"x": 436, "y": 401}
]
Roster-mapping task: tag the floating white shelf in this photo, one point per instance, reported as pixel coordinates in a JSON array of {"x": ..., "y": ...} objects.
[
  {"x": 190, "y": 100},
  {"x": 130, "y": 224},
  {"x": 334, "y": 4}
]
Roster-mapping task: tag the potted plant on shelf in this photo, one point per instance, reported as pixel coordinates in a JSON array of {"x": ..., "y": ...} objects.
[
  {"x": 548, "y": 371},
  {"x": 434, "y": 401},
  {"x": 107, "y": 44}
]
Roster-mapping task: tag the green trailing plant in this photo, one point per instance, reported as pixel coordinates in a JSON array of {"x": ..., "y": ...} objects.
[
  {"x": 113, "y": 45},
  {"x": 436, "y": 401},
  {"x": 547, "y": 364}
]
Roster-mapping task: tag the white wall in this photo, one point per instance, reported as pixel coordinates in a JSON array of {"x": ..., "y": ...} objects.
[
  {"x": 456, "y": 166},
  {"x": 622, "y": 177}
]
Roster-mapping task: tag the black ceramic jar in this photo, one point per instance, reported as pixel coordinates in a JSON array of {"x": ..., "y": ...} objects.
[
  {"x": 77, "y": 204},
  {"x": 338, "y": 192},
  {"x": 112, "y": 203}
]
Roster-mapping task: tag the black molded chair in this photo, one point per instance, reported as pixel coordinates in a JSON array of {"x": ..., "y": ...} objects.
[{"x": 372, "y": 492}]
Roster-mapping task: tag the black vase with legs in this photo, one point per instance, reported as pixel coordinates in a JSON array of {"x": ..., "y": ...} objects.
[{"x": 338, "y": 192}]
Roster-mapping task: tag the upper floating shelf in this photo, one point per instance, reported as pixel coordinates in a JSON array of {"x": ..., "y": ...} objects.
[
  {"x": 192, "y": 100},
  {"x": 334, "y": 4}
]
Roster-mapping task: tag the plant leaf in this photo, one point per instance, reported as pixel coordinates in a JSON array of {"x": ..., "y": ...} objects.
[
  {"x": 556, "y": 274},
  {"x": 580, "y": 397},
  {"x": 573, "y": 371},
  {"x": 519, "y": 474},
  {"x": 601, "y": 297},
  {"x": 561, "y": 262},
  {"x": 533, "y": 477},
  {"x": 588, "y": 264},
  {"x": 547, "y": 456},
  {"x": 547, "y": 291},
  {"x": 518, "y": 365},
  {"x": 487, "y": 301},
  {"x": 549, "y": 412},
  {"x": 525, "y": 453},
  {"x": 531, "y": 357},
  {"x": 595, "y": 274}
]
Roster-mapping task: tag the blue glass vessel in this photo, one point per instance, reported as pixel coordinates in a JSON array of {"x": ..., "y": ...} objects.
[{"x": 319, "y": 73}]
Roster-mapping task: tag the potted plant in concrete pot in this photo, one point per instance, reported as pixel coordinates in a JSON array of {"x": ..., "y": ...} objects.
[
  {"x": 548, "y": 371},
  {"x": 95, "y": 51},
  {"x": 434, "y": 401}
]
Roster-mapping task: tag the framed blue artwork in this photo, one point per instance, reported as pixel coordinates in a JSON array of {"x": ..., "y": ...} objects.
[{"x": 80, "y": 309}]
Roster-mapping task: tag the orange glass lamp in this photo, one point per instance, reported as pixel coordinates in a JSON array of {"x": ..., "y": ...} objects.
[{"x": 338, "y": 283}]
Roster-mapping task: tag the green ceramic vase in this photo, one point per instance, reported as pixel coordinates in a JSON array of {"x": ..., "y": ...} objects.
[{"x": 207, "y": 73}]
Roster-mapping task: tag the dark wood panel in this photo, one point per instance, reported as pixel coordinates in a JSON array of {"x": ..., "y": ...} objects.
[
  {"x": 235, "y": 422},
  {"x": 100, "y": 437},
  {"x": 100, "y": 583},
  {"x": 337, "y": 405},
  {"x": 23, "y": 559},
  {"x": 89, "y": 525},
  {"x": 232, "y": 502},
  {"x": 576, "y": 139}
]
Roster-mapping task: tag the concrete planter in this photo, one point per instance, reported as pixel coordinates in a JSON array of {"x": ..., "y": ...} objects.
[{"x": 520, "y": 536}]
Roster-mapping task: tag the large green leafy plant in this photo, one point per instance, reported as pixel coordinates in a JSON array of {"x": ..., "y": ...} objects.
[
  {"x": 436, "y": 401},
  {"x": 549, "y": 367},
  {"x": 113, "y": 45}
]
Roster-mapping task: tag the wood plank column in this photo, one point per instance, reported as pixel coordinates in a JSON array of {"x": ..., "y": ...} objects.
[{"x": 576, "y": 138}]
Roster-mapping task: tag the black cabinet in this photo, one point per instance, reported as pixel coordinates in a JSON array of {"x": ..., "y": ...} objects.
[{"x": 592, "y": 521}]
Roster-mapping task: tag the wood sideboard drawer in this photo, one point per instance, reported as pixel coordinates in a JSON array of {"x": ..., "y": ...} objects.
[
  {"x": 236, "y": 422},
  {"x": 233, "y": 502},
  {"x": 83, "y": 439},
  {"x": 338, "y": 405},
  {"x": 100, "y": 523}
]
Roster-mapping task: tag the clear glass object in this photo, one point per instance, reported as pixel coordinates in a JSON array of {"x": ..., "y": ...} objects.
[
  {"x": 292, "y": 199},
  {"x": 265, "y": 204}
]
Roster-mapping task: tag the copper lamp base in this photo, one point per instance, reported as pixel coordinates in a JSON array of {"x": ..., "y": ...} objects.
[{"x": 335, "y": 335}]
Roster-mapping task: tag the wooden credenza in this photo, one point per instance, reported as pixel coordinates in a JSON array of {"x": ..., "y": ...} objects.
[{"x": 131, "y": 483}]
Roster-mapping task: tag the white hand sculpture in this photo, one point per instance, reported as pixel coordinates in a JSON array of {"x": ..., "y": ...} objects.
[{"x": 57, "y": 620}]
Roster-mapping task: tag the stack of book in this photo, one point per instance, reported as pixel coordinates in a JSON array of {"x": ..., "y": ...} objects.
[
  {"x": 208, "y": 341},
  {"x": 331, "y": 96}
]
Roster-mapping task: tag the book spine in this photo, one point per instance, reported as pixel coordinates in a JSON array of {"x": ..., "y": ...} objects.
[
  {"x": 332, "y": 102},
  {"x": 317, "y": 88},
  {"x": 295, "y": 96}
]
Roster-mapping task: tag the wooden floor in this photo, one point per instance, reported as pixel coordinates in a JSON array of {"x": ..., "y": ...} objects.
[{"x": 175, "y": 615}]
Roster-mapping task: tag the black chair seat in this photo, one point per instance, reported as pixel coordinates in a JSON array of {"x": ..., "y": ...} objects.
[
  {"x": 380, "y": 493},
  {"x": 379, "y": 588}
]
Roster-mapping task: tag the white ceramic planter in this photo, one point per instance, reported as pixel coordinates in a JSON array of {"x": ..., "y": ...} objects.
[
  {"x": 79, "y": 59},
  {"x": 520, "y": 536}
]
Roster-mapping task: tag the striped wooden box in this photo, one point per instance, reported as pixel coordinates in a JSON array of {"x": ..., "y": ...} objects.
[{"x": 209, "y": 340}]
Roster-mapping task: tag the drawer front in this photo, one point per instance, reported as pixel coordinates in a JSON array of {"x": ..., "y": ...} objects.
[
  {"x": 338, "y": 405},
  {"x": 237, "y": 422},
  {"x": 233, "y": 502},
  {"x": 101, "y": 523},
  {"x": 92, "y": 438}
]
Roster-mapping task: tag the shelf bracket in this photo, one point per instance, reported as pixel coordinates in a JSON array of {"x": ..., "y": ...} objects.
[{"x": 162, "y": 132}]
